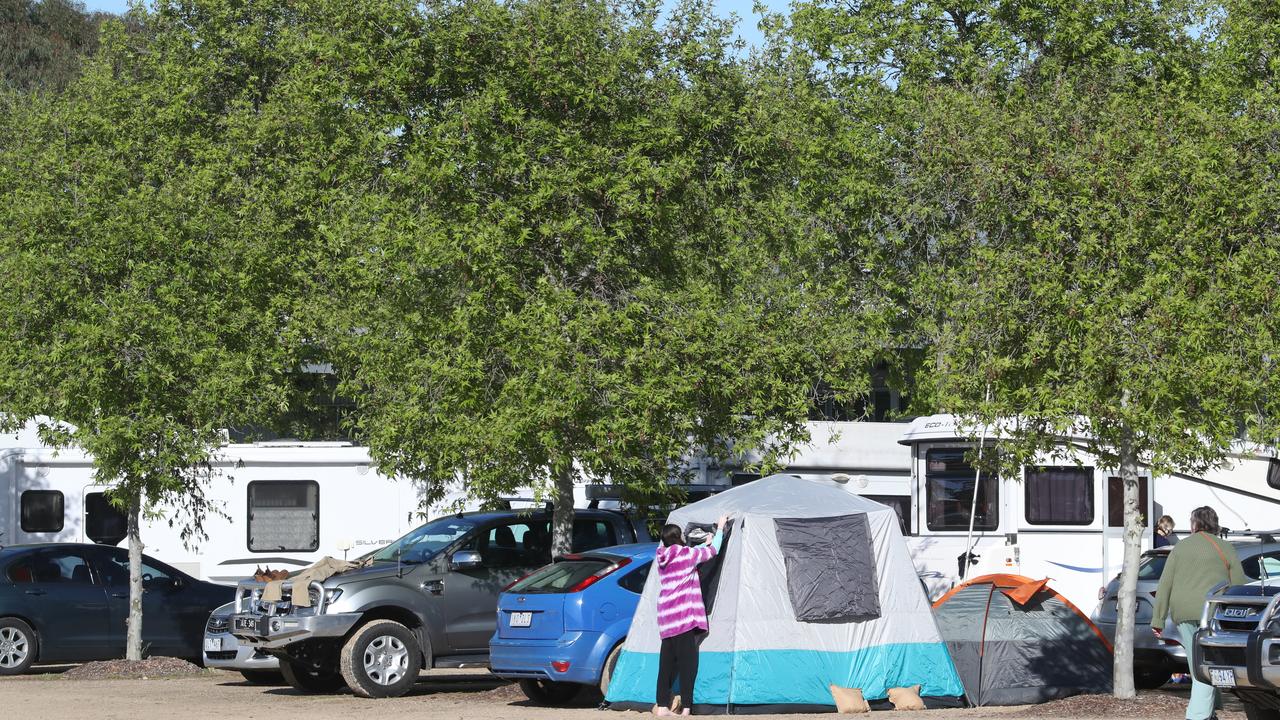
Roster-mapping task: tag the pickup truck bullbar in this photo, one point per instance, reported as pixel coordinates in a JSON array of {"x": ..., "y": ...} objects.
[
  {"x": 1238, "y": 643},
  {"x": 273, "y": 625}
]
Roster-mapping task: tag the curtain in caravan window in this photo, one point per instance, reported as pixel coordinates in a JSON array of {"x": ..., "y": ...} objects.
[
  {"x": 831, "y": 569},
  {"x": 284, "y": 515},
  {"x": 1059, "y": 495}
]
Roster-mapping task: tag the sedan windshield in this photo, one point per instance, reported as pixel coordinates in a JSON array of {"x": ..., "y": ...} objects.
[{"x": 423, "y": 543}]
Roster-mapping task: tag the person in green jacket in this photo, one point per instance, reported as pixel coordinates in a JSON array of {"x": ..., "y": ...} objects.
[{"x": 1195, "y": 565}]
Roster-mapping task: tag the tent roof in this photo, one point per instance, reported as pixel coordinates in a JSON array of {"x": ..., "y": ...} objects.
[{"x": 786, "y": 496}]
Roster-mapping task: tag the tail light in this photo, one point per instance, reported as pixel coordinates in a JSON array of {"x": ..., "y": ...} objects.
[
  {"x": 598, "y": 575},
  {"x": 560, "y": 665}
]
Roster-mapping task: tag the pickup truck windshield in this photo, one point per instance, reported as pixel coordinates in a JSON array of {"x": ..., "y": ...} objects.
[{"x": 423, "y": 543}]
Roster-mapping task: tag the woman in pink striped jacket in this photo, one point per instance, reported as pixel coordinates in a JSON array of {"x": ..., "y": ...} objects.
[{"x": 681, "y": 614}]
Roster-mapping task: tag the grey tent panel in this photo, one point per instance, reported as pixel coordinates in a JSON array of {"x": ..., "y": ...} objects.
[{"x": 831, "y": 571}]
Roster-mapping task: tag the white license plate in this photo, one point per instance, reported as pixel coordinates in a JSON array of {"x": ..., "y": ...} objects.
[
  {"x": 1222, "y": 677},
  {"x": 521, "y": 619},
  {"x": 213, "y": 644}
]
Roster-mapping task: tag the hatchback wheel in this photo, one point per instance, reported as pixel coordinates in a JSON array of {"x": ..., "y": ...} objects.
[
  {"x": 1150, "y": 678},
  {"x": 18, "y": 646},
  {"x": 381, "y": 659},
  {"x": 549, "y": 692},
  {"x": 606, "y": 673}
]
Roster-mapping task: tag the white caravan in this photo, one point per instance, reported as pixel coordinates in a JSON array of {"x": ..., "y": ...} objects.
[
  {"x": 278, "y": 504},
  {"x": 1056, "y": 520}
]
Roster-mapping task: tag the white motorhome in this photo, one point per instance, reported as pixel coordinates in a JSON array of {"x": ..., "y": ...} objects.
[
  {"x": 1057, "y": 519},
  {"x": 278, "y": 504}
]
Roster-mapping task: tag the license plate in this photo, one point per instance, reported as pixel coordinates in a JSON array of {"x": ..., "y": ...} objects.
[
  {"x": 246, "y": 623},
  {"x": 213, "y": 644},
  {"x": 1222, "y": 677},
  {"x": 521, "y": 619}
]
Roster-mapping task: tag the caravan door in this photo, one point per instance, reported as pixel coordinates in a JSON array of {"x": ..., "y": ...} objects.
[{"x": 1113, "y": 550}]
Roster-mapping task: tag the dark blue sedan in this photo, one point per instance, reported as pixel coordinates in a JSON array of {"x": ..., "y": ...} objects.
[
  {"x": 68, "y": 602},
  {"x": 561, "y": 627}
]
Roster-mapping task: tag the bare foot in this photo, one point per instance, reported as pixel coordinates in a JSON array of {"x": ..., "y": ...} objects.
[{"x": 661, "y": 711}]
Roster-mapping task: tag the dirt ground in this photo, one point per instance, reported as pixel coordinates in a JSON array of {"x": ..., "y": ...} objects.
[{"x": 452, "y": 695}]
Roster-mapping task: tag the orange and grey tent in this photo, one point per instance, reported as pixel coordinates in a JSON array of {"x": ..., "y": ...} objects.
[{"x": 1016, "y": 641}]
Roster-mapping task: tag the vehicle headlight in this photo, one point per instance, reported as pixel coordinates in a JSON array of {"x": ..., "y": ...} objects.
[{"x": 331, "y": 596}]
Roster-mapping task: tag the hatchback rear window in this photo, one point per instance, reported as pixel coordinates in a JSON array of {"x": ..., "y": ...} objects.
[
  {"x": 1151, "y": 566},
  {"x": 559, "y": 577}
]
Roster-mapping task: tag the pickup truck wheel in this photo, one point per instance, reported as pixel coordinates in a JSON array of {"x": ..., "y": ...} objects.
[
  {"x": 381, "y": 659},
  {"x": 262, "y": 677},
  {"x": 549, "y": 692},
  {"x": 18, "y": 646},
  {"x": 310, "y": 680},
  {"x": 1253, "y": 711}
]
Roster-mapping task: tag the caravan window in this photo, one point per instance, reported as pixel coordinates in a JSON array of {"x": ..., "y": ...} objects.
[
  {"x": 284, "y": 515},
  {"x": 949, "y": 482},
  {"x": 1115, "y": 502},
  {"x": 901, "y": 505},
  {"x": 103, "y": 522},
  {"x": 42, "y": 511},
  {"x": 1059, "y": 495}
]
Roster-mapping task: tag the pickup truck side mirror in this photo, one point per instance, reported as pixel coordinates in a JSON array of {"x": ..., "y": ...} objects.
[{"x": 465, "y": 560}]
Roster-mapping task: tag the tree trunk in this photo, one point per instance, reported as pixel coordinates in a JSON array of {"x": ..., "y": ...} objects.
[
  {"x": 1122, "y": 669},
  {"x": 133, "y": 644},
  {"x": 562, "y": 516}
]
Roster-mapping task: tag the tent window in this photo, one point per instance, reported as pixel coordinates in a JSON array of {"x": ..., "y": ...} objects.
[
  {"x": 831, "y": 569},
  {"x": 1059, "y": 495},
  {"x": 1115, "y": 502},
  {"x": 901, "y": 505},
  {"x": 949, "y": 481},
  {"x": 42, "y": 511},
  {"x": 284, "y": 515},
  {"x": 709, "y": 571}
]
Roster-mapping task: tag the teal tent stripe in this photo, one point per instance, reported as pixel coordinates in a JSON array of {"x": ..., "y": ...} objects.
[{"x": 762, "y": 677}]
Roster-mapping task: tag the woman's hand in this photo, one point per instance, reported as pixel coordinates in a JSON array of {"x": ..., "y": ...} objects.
[{"x": 724, "y": 520}]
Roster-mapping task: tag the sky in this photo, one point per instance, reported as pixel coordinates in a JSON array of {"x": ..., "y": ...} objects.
[{"x": 747, "y": 19}]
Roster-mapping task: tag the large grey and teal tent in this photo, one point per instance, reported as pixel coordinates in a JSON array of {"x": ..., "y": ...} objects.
[
  {"x": 1016, "y": 641},
  {"x": 814, "y": 586}
]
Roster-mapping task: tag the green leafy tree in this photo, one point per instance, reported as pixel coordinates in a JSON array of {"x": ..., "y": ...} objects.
[
  {"x": 1121, "y": 283},
  {"x": 159, "y": 232},
  {"x": 44, "y": 42},
  {"x": 1073, "y": 226},
  {"x": 588, "y": 258}
]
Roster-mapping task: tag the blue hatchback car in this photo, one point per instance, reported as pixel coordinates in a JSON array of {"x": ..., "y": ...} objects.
[{"x": 562, "y": 626}]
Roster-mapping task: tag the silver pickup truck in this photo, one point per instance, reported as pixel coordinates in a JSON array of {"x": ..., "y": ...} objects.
[
  {"x": 1237, "y": 647},
  {"x": 426, "y": 600}
]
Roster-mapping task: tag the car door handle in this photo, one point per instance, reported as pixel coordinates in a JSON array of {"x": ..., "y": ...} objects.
[
  {"x": 435, "y": 587},
  {"x": 123, "y": 595},
  {"x": 35, "y": 592}
]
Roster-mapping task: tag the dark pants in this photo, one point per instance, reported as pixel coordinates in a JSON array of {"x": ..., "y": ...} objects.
[{"x": 679, "y": 656}]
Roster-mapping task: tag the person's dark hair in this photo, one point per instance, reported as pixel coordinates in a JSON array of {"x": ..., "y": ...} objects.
[
  {"x": 671, "y": 535},
  {"x": 1205, "y": 519}
]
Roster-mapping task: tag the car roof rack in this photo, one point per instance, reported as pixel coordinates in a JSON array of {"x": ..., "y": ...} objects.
[
  {"x": 1267, "y": 536},
  {"x": 609, "y": 491}
]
